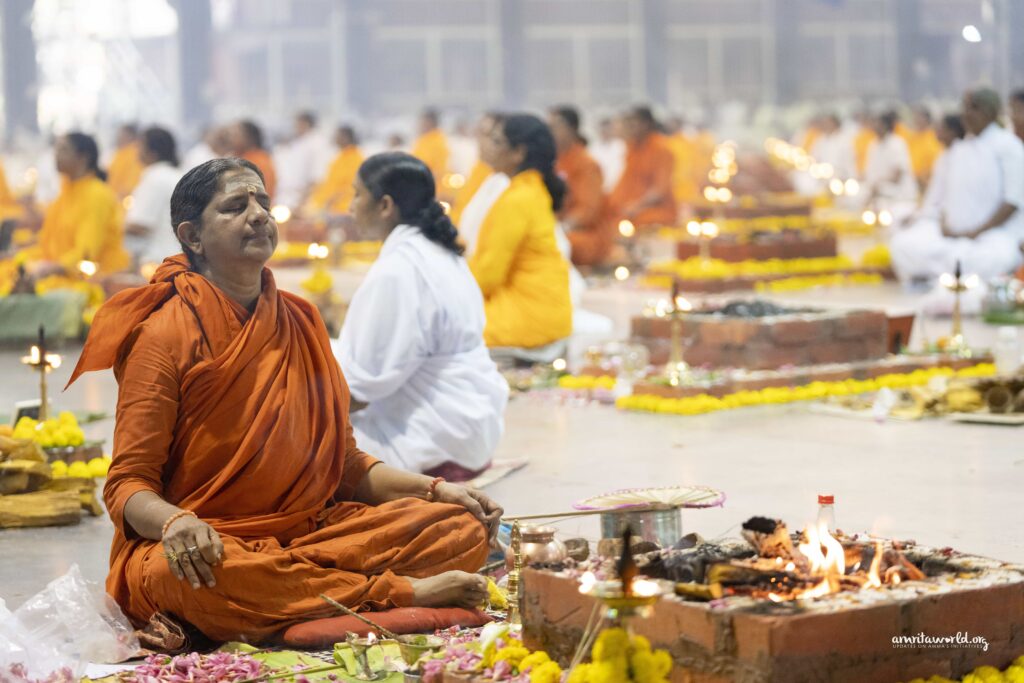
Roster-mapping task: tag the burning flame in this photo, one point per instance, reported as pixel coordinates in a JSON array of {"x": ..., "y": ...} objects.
[
  {"x": 371, "y": 638},
  {"x": 318, "y": 251},
  {"x": 587, "y": 582},
  {"x": 874, "y": 580},
  {"x": 829, "y": 565},
  {"x": 643, "y": 588}
]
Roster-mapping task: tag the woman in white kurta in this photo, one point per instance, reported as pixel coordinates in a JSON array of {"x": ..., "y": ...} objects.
[
  {"x": 412, "y": 345},
  {"x": 149, "y": 236}
]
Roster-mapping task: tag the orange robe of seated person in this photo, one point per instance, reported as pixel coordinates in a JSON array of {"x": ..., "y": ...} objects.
[
  {"x": 243, "y": 419},
  {"x": 432, "y": 149},
  {"x": 334, "y": 193},
  {"x": 592, "y": 235},
  {"x": 84, "y": 223},
  {"x": 125, "y": 170},
  {"x": 262, "y": 159},
  {"x": 649, "y": 168}
]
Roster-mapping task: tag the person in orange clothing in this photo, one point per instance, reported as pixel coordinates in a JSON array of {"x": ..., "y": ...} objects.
[
  {"x": 10, "y": 208},
  {"x": 431, "y": 147},
  {"x": 522, "y": 274},
  {"x": 688, "y": 173},
  {"x": 125, "y": 167},
  {"x": 584, "y": 214},
  {"x": 237, "y": 491},
  {"x": 862, "y": 140},
  {"x": 481, "y": 169},
  {"x": 923, "y": 143},
  {"x": 643, "y": 194},
  {"x": 84, "y": 222},
  {"x": 246, "y": 141},
  {"x": 334, "y": 193}
]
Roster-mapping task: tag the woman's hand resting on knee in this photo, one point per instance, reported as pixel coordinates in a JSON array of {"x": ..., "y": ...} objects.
[
  {"x": 477, "y": 502},
  {"x": 192, "y": 549}
]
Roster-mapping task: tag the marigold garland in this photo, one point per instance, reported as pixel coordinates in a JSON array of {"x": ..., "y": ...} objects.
[{"x": 705, "y": 403}]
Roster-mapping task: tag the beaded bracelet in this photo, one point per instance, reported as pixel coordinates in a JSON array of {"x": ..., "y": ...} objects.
[
  {"x": 174, "y": 518},
  {"x": 432, "y": 491}
]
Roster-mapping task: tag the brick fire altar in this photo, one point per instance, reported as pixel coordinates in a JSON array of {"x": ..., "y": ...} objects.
[{"x": 838, "y": 638}]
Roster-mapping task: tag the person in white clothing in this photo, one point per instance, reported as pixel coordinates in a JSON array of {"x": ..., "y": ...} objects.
[
  {"x": 426, "y": 395},
  {"x": 302, "y": 162},
  {"x": 212, "y": 145},
  {"x": 149, "y": 237},
  {"x": 975, "y": 219},
  {"x": 609, "y": 151},
  {"x": 889, "y": 181}
]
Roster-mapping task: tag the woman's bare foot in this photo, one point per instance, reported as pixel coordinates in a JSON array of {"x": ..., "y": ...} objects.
[{"x": 450, "y": 589}]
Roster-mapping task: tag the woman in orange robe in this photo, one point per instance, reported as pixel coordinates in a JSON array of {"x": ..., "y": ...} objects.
[
  {"x": 125, "y": 168},
  {"x": 334, "y": 193},
  {"x": 644, "y": 192},
  {"x": 583, "y": 215},
  {"x": 246, "y": 140},
  {"x": 237, "y": 491}
]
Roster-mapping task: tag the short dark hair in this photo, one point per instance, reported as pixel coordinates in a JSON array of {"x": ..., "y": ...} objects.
[
  {"x": 161, "y": 143},
  {"x": 955, "y": 124},
  {"x": 411, "y": 186},
  {"x": 307, "y": 117},
  {"x": 571, "y": 116},
  {"x": 1017, "y": 96},
  {"x": 644, "y": 114},
  {"x": 195, "y": 191},
  {"x": 253, "y": 132},
  {"x": 350, "y": 132},
  {"x": 130, "y": 128},
  {"x": 889, "y": 119},
  {"x": 431, "y": 114}
]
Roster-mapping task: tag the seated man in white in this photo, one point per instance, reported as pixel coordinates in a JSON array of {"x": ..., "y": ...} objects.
[
  {"x": 426, "y": 395},
  {"x": 889, "y": 181},
  {"x": 972, "y": 214}
]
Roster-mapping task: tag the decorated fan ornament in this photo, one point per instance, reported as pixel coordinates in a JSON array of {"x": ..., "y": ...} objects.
[{"x": 659, "y": 496}]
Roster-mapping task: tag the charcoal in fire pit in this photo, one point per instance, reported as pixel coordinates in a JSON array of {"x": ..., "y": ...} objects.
[
  {"x": 688, "y": 565},
  {"x": 770, "y": 538},
  {"x": 753, "y": 308}
]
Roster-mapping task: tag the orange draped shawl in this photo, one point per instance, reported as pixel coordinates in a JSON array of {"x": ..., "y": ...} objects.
[{"x": 244, "y": 421}]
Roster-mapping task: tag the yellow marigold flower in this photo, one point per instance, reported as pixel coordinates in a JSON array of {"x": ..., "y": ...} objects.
[
  {"x": 611, "y": 644},
  {"x": 513, "y": 654},
  {"x": 581, "y": 674},
  {"x": 548, "y": 672},
  {"x": 534, "y": 659}
]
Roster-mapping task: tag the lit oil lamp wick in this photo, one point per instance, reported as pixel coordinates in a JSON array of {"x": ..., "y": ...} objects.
[{"x": 43, "y": 362}]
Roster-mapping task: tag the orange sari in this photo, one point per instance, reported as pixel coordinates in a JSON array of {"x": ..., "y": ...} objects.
[{"x": 244, "y": 421}]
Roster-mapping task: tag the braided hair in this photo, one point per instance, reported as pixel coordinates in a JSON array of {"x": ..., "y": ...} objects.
[{"x": 410, "y": 184}]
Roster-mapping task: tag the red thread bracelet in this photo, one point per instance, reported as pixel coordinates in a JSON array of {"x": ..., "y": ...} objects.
[{"x": 432, "y": 491}]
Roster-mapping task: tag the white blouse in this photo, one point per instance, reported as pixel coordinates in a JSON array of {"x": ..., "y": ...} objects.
[{"x": 412, "y": 348}]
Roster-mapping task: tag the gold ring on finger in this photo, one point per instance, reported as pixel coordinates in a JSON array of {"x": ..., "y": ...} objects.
[{"x": 171, "y": 555}]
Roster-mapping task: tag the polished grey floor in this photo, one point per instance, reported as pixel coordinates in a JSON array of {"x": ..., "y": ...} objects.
[{"x": 936, "y": 482}]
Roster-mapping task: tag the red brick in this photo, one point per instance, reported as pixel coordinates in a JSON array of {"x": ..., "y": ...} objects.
[
  {"x": 836, "y": 351},
  {"x": 789, "y": 332},
  {"x": 863, "y": 324},
  {"x": 761, "y": 357},
  {"x": 850, "y": 632},
  {"x": 988, "y": 612}
]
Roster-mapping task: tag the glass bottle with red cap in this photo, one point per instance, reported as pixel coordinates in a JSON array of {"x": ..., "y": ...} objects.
[{"x": 827, "y": 512}]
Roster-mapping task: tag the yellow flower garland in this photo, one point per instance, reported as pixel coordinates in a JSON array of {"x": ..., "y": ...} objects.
[
  {"x": 792, "y": 284},
  {"x": 705, "y": 403},
  {"x": 985, "y": 674},
  {"x": 583, "y": 382},
  {"x": 619, "y": 658},
  {"x": 696, "y": 268}
]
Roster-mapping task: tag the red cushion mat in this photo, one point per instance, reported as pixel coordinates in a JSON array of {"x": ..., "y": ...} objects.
[{"x": 326, "y": 632}]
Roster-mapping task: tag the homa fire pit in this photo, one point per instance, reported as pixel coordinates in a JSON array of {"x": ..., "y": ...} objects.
[
  {"x": 759, "y": 335},
  {"x": 807, "y": 607}
]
